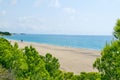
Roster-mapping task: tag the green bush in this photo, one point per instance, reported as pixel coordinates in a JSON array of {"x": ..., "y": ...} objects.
[{"x": 109, "y": 62}]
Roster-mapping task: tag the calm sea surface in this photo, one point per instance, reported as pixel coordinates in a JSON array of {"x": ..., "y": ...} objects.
[{"x": 76, "y": 41}]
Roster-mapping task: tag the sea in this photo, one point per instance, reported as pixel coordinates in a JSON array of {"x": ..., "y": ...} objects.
[{"x": 94, "y": 42}]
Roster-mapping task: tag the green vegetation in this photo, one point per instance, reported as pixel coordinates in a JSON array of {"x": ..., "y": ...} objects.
[
  {"x": 117, "y": 30},
  {"x": 5, "y": 74},
  {"x": 109, "y": 63},
  {"x": 28, "y": 64},
  {"x": 5, "y": 33}
]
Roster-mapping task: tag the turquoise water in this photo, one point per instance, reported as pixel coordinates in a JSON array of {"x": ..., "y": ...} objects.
[{"x": 76, "y": 41}]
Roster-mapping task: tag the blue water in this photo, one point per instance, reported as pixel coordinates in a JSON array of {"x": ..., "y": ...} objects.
[{"x": 76, "y": 41}]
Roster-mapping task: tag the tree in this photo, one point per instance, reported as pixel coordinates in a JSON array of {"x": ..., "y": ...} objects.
[
  {"x": 109, "y": 62},
  {"x": 25, "y": 64},
  {"x": 5, "y": 33},
  {"x": 68, "y": 75},
  {"x": 90, "y": 76},
  {"x": 36, "y": 66},
  {"x": 52, "y": 66},
  {"x": 117, "y": 30}
]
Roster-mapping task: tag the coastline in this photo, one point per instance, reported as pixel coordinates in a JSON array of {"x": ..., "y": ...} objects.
[{"x": 71, "y": 59}]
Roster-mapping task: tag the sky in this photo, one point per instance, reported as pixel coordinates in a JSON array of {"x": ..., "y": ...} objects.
[{"x": 70, "y": 17}]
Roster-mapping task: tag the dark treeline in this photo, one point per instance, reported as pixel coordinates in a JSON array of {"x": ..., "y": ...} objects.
[{"x": 4, "y": 33}]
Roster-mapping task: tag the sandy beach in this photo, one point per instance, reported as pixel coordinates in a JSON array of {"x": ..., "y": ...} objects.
[{"x": 71, "y": 59}]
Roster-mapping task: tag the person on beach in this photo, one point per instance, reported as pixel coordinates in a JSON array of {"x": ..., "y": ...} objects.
[{"x": 21, "y": 40}]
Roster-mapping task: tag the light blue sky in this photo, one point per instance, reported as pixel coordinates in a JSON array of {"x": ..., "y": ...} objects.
[{"x": 81, "y": 17}]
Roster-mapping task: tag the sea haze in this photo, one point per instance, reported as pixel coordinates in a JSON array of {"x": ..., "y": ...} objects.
[{"x": 76, "y": 41}]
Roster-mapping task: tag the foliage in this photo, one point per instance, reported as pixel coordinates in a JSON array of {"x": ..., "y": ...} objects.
[
  {"x": 5, "y": 74},
  {"x": 28, "y": 64},
  {"x": 68, "y": 75},
  {"x": 52, "y": 64},
  {"x": 24, "y": 64},
  {"x": 5, "y": 33},
  {"x": 82, "y": 76},
  {"x": 90, "y": 76},
  {"x": 36, "y": 66},
  {"x": 117, "y": 30},
  {"x": 109, "y": 62}
]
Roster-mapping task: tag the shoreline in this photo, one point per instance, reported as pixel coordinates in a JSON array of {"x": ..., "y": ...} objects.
[
  {"x": 54, "y": 45},
  {"x": 71, "y": 59}
]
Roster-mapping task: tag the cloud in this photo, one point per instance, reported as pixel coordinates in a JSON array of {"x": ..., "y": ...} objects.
[
  {"x": 29, "y": 20},
  {"x": 3, "y": 13},
  {"x": 69, "y": 10},
  {"x": 55, "y": 3},
  {"x": 71, "y": 13},
  {"x": 37, "y": 3},
  {"x": 14, "y": 2},
  {"x": 4, "y": 25},
  {"x": 72, "y": 18},
  {"x": 30, "y": 23},
  {"x": 27, "y": 24}
]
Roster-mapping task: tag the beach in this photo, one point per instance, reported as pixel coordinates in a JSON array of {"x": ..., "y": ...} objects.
[{"x": 71, "y": 59}]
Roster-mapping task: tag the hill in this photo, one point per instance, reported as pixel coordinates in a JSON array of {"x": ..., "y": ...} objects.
[{"x": 5, "y": 33}]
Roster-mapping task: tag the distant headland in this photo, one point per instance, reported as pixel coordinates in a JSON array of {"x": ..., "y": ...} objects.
[{"x": 5, "y": 33}]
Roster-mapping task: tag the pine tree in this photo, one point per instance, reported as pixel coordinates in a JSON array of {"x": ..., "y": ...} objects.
[
  {"x": 109, "y": 62},
  {"x": 117, "y": 30}
]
